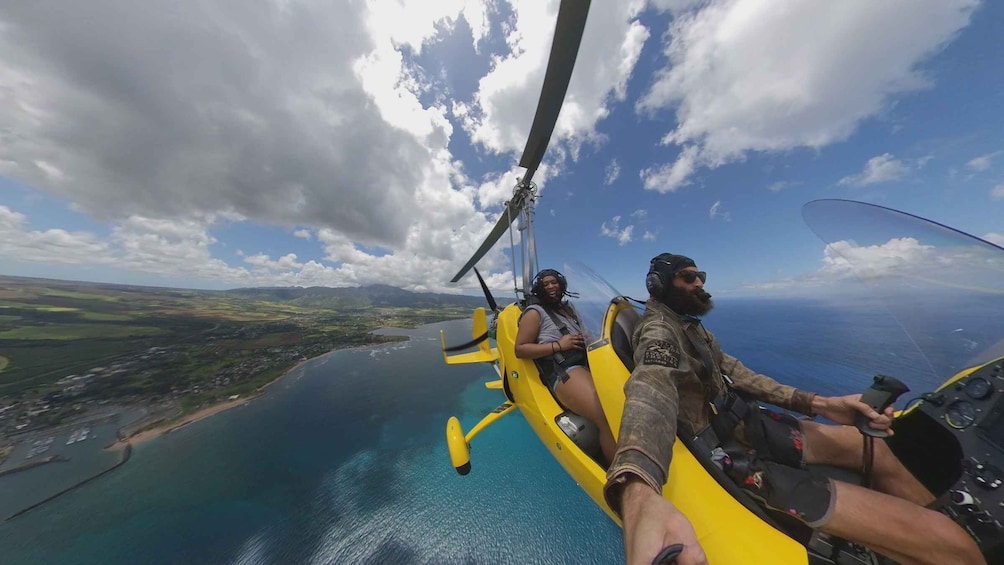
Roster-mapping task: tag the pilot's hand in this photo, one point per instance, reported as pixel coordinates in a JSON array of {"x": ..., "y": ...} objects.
[
  {"x": 572, "y": 341},
  {"x": 844, "y": 409},
  {"x": 652, "y": 523}
]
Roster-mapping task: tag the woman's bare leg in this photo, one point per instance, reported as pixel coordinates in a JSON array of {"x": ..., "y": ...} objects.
[{"x": 579, "y": 394}]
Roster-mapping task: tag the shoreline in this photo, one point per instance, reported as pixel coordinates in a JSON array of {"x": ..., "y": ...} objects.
[
  {"x": 202, "y": 414},
  {"x": 125, "y": 445},
  {"x": 166, "y": 428}
]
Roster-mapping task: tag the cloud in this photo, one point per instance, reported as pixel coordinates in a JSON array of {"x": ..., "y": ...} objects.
[
  {"x": 623, "y": 236},
  {"x": 974, "y": 268},
  {"x": 982, "y": 162},
  {"x": 995, "y": 238},
  {"x": 717, "y": 212},
  {"x": 299, "y": 114},
  {"x": 303, "y": 234},
  {"x": 882, "y": 168},
  {"x": 669, "y": 178},
  {"x": 736, "y": 85},
  {"x": 612, "y": 172},
  {"x": 648, "y": 236},
  {"x": 780, "y": 185},
  {"x": 497, "y": 118},
  {"x": 284, "y": 263},
  {"x": 639, "y": 214},
  {"x": 998, "y": 192},
  {"x": 183, "y": 248},
  {"x": 48, "y": 246}
]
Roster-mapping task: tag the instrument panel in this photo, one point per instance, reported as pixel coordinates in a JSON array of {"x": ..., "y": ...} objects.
[{"x": 972, "y": 409}]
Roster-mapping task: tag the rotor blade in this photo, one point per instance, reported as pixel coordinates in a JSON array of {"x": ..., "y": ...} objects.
[
  {"x": 471, "y": 343},
  {"x": 488, "y": 293},
  {"x": 567, "y": 36},
  {"x": 508, "y": 215}
]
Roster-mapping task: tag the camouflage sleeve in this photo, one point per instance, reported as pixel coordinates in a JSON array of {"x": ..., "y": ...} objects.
[
  {"x": 764, "y": 388},
  {"x": 648, "y": 426}
]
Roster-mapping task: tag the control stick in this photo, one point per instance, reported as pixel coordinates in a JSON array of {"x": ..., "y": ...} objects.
[{"x": 882, "y": 394}]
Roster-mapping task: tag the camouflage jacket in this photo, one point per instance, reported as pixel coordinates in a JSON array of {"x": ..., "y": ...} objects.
[{"x": 670, "y": 381}]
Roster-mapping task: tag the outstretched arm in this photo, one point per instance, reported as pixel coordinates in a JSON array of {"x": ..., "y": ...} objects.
[
  {"x": 645, "y": 448},
  {"x": 652, "y": 523}
]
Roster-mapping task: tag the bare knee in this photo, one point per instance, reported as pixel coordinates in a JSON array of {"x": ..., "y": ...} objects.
[{"x": 959, "y": 546}]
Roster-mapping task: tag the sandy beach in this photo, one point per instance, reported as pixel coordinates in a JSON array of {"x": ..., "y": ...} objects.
[
  {"x": 172, "y": 425},
  {"x": 169, "y": 427}
]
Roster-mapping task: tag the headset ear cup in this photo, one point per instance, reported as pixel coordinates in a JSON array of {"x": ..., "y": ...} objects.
[{"x": 654, "y": 283}]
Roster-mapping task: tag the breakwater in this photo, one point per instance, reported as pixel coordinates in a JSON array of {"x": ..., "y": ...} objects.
[
  {"x": 126, "y": 453},
  {"x": 33, "y": 464}
]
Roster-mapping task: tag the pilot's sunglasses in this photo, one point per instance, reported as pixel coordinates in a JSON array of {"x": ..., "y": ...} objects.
[{"x": 691, "y": 276}]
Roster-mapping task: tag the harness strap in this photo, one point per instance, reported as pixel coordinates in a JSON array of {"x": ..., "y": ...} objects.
[
  {"x": 559, "y": 358},
  {"x": 728, "y": 408}
]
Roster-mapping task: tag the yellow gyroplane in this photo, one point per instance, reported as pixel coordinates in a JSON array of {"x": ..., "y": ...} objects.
[{"x": 952, "y": 439}]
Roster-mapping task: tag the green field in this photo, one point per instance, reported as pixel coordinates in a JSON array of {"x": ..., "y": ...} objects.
[
  {"x": 101, "y": 317},
  {"x": 77, "y": 331},
  {"x": 142, "y": 345}
]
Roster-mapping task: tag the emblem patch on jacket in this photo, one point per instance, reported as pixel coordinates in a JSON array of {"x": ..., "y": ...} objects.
[{"x": 662, "y": 353}]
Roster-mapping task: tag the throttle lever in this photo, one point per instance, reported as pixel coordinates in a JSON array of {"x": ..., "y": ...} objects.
[{"x": 882, "y": 394}]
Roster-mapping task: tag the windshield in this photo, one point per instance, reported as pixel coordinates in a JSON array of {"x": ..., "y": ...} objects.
[
  {"x": 944, "y": 287},
  {"x": 594, "y": 295}
]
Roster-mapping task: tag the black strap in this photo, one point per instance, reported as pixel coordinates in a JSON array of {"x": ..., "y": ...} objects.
[
  {"x": 731, "y": 407},
  {"x": 559, "y": 358},
  {"x": 702, "y": 349}
]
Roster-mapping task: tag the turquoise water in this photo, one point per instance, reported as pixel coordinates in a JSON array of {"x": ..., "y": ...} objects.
[{"x": 344, "y": 461}]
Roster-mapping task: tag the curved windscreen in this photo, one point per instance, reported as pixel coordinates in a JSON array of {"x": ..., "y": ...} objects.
[
  {"x": 594, "y": 293},
  {"x": 944, "y": 287}
]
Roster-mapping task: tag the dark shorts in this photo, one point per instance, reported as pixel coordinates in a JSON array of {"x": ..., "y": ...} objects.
[
  {"x": 556, "y": 379},
  {"x": 776, "y": 474}
]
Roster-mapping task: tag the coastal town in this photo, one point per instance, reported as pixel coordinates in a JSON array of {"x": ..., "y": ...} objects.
[{"x": 102, "y": 366}]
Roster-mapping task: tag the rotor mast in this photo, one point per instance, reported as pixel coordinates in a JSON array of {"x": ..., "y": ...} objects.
[{"x": 564, "y": 49}]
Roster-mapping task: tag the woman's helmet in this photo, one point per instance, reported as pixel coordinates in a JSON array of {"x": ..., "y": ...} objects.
[{"x": 538, "y": 284}]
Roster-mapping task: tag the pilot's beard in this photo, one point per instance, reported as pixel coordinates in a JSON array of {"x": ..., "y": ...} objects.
[{"x": 689, "y": 303}]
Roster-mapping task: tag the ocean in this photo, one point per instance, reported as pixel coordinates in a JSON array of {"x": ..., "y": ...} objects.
[{"x": 344, "y": 460}]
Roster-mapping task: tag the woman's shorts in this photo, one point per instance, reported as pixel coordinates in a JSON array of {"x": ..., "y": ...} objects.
[
  {"x": 777, "y": 477},
  {"x": 555, "y": 379}
]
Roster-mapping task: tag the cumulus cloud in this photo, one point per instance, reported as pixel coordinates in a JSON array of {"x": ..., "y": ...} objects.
[
  {"x": 497, "y": 118},
  {"x": 882, "y": 168},
  {"x": 299, "y": 114},
  {"x": 46, "y": 246},
  {"x": 974, "y": 267},
  {"x": 669, "y": 178},
  {"x": 982, "y": 162},
  {"x": 613, "y": 229},
  {"x": 286, "y": 262},
  {"x": 303, "y": 234},
  {"x": 184, "y": 248},
  {"x": 736, "y": 85}
]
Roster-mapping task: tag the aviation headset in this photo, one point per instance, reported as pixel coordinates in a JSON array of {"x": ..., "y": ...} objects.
[
  {"x": 661, "y": 271},
  {"x": 538, "y": 283}
]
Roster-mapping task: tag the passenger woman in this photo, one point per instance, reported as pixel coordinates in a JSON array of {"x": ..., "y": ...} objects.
[{"x": 551, "y": 332}]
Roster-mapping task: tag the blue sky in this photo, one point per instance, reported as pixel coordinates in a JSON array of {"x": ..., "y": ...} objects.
[{"x": 312, "y": 143}]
